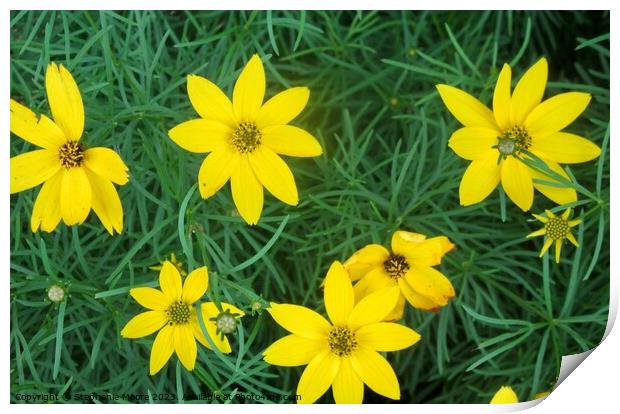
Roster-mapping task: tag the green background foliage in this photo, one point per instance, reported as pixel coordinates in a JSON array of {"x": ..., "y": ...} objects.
[{"x": 386, "y": 166}]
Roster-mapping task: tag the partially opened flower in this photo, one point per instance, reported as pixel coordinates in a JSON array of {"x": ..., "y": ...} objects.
[
  {"x": 505, "y": 395},
  {"x": 408, "y": 265},
  {"x": 75, "y": 178},
  {"x": 172, "y": 313},
  {"x": 344, "y": 352},
  {"x": 497, "y": 141},
  {"x": 245, "y": 139},
  {"x": 556, "y": 229}
]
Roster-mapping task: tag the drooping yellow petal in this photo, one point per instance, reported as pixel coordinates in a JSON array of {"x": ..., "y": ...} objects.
[
  {"x": 556, "y": 113},
  {"x": 548, "y": 242},
  {"x": 505, "y": 395},
  {"x": 414, "y": 298},
  {"x": 170, "y": 282},
  {"x": 150, "y": 298},
  {"x": 106, "y": 163},
  {"x": 363, "y": 260},
  {"x": 162, "y": 350},
  {"x": 195, "y": 285},
  {"x": 429, "y": 252},
  {"x": 293, "y": 350},
  {"x": 472, "y": 143},
  {"x": 517, "y": 183},
  {"x": 529, "y": 91},
  {"x": 480, "y": 179},
  {"x": 283, "y": 107},
  {"x": 317, "y": 377},
  {"x": 299, "y": 320},
  {"x": 347, "y": 387},
  {"x": 30, "y": 169},
  {"x": 201, "y": 135},
  {"x": 65, "y": 101},
  {"x": 106, "y": 202},
  {"x": 558, "y": 249},
  {"x": 75, "y": 196},
  {"x": 46, "y": 211},
  {"x": 468, "y": 110},
  {"x": 376, "y": 372},
  {"x": 144, "y": 324},
  {"x": 185, "y": 345},
  {"x": 501, "y": 98},
  {"x": 274, "y": 174},
  {"x": 566, "y": 148},
  {"x": 572, "y": 239},
  {"x": 209, "y": 101},
  {"x": 338, "y": 294},
  {"x": 374, "y": 280},
  {"x": 559, "y": 195},
  {"x": 215, "y": 171},
  {"x": 249, "y": 90},
  {"x": 386, "y": 336},
  {"x": 430, "y": 283},
  {"x": 40, "y": 131},
  {"x": 374, "y": 307},
  {"x": 291, "y": 140},
  {"x": 247, "y": 191}
]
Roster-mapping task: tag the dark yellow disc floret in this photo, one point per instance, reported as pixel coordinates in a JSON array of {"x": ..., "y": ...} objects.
[
  {"x": 246, "y": 138},
  {"x": 557, "y": 228},
  {"x": 396, "y": 266},
  {"x": 71, "y": 154},
  {"x": 178, "y": 313},
  {"x": 342, "y": 341}
]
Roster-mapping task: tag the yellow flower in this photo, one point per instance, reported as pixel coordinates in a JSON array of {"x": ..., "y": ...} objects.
[
  {"x": 75, "y": 178},
  {"x": 343, "y": 354},
  {"x": 244, "y": 138},
  {"x": 172, "y": 314},
  {"x": 556, "y": 229},
  {"x": 175, "y": 262},
  {"x": 505, "y": 395},
  {"x": 408, "y": 266},
  {"x": 496, "y": 141}
]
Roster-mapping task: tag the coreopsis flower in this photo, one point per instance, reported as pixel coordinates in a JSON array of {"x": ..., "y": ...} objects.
[
  {"x": 408, "y": 265},
  {"x": 245, "y": 139},
  {"x": 496, "y": 142},
  {"x": 75, "y": 178},
  {"x": 505, "y": 395},
  {"x": 173, "y": 314},
  {"x": 556, "y": 229},
  {"x": 344, "y": 352}
]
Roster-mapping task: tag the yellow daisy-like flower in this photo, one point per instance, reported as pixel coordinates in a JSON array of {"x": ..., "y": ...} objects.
[
  {"x": 556, "y": 229},
  {"x": 496, "y": 141},
  {"x": 244, "y": 138},
  {"x": 409, "y": 266},
  {"x": 171, "y": 312},
  {"x": 75, "y": 178},
  {"x": 505, "y": 395},
  {"x": 343, "y": 354}
]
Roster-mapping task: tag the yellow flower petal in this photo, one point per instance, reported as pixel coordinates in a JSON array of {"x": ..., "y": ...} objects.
[
  {"x": 338, "y": 294},
  {"x": 283, "y": 108},
  {"x": 75, "y": 196},
  {"x": 468, "y": 110},
  {"x": 558, "y": 249},
  {"x": 556, "y": 113},
  {"x": 274, "y": 174},
  {"x": 376, "y": 372},
  {"x": 293, "y": 350},
  {"x": 106, "y": 202},
  {"x": 430, "y": 283},
  {"x": 529, "y": 92},
  {"x": 247, "y": 191},
  {"x": 480, "y": 179},
  {"x": 429, "y": 252},
  {"x": 414, "y": 298},
  {"x": 472, "y": 143},
  {"x": 386, "y": 336},
  {"x": 540, "y": 232},
  {"x": 210, "y": 310},
  {"x": 505, "y": 395},
  {"x": 65, "y": 101},
  {"x": 559, "y": 195},
  {"x": 403, "y": 241},
  {"x": 291, "y": 140},
  {"x": 144, "y": 324},
  {"x": 374, "y": 280},
  {"x": 170, "y": 282},
  {"x": 215, "y": 171},
  {"x": 162, "y": 350},
  {"x": 317, "y": 377},
  {"x": 374, "y": 307},
  {"x": 517, "y": 183},
  {"x": 195, "y": 285},
  {"x": 106, "y": 163},
  {"x": 299, "y": 320},
  {"x": 185, "y": 346},
  {"x": 249, "y": 90},
  {"x": 398, "y": 311},
  {"x": 501, "y": 98},
  {"x": 46, "y": 211},
  {"x": 201, "y": 135},
  {"x": 566, "y": 148},
  {"x": 40, "y": 131},
  {"x": 566, "y": 214},
  {"x": 548, "y": 242},
  {"x": 32, "y": 168},
  {"x": 150, "y": 298},
  {"x": 347, "y": 387},
  {"x": 363, "y": 260},
  {"x": 209, "y": 101}
]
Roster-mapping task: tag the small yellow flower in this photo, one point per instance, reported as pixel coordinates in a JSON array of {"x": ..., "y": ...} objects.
[
  {"x": 244, "y": 138},
  {"x": 556, "y": 229},
  {"x": 408, "y": 266},
  {"x": 75, "y": 178},
  {"x": 496, "y": 141},
  {"x": 172, "y": 314},
  {"x": 175, "y": 262},
  {"x": 505, "y": 395},
  {"x": 343, "y": 354}
]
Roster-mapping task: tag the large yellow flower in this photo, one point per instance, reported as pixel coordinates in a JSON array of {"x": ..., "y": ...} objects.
[
  {"x": 171, "y": 312},
  {"x": 75, "y": 178},
  {"x": 496, "y": 140},
  {"x": 244, "y": 138},
  {"x": 343, "y": 354},
  {"x": 408, "y": 266}
]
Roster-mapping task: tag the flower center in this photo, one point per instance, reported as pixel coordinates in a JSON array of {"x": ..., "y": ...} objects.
[
  {"x": 226, "y": 322},
  {"x": 516, "y": 139},
  {"x": 341, "y": 341},
  {"x": 557, "y": 228},
  {"x": 178, "y": 313},
  {"x": 71, "y": 154},
  {"x": 246, "y": 137},
  {"x": 396, "y": 266}
]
